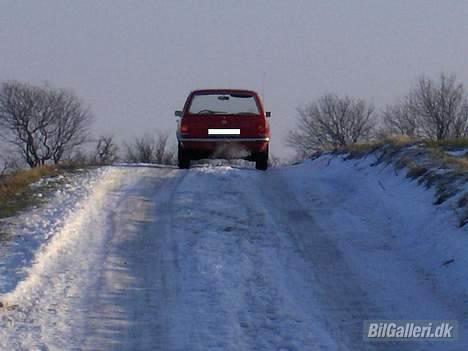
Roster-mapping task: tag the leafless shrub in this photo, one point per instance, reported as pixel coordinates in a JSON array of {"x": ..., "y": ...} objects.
[
  {"x": 78, "y": 157},
  {"x": 163, "y": 154},
  {"x": 331, "y": 122},
  {"x": 106, "y": 150},
  {"x": 42, "y": 123},
  {"x": 8, "y": 165},
  {"x": 149, "y": 149},
  {"x": 400, "y": 119},
  {"x": 141, "y": 150}
]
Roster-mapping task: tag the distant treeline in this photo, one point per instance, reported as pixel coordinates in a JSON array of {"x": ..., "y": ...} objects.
[
  {"x": 42, "y": 125},
  {"x": 432, "y": 110}
]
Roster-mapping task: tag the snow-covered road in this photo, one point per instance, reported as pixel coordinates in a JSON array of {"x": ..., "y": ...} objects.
[{"x": 229, "y": 258}]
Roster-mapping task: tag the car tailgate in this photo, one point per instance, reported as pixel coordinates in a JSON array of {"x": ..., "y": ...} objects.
[{"x": 248, "y": 126}]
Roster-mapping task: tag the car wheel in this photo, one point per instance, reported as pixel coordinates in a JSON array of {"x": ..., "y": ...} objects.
[
  {"x": 183, "y": 158},
  {"x": 261, "y": 162}
]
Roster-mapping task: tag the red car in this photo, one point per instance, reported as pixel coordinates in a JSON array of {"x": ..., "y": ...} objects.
[{"x": 223, "y": 123}]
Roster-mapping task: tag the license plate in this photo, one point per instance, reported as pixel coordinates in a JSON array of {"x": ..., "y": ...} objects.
[{"x": 223, "y": 131}]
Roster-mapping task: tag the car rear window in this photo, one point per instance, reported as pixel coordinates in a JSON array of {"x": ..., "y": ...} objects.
[{"x": 217, "y": 103}]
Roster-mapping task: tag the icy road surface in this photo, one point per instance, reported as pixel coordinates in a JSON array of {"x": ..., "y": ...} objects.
[{"x": 226, "y": 258}]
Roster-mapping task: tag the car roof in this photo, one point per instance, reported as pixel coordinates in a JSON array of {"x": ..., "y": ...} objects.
[{"x": 209, "y": 91}]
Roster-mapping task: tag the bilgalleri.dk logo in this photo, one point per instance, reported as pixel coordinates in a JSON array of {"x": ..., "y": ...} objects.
[{"x": 386, "y": 330}]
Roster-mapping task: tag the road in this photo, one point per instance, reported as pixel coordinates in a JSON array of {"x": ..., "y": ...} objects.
[{"x": 223, "y": 258}]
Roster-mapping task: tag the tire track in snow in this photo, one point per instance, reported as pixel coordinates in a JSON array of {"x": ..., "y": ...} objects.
[
  {"x": 211, "y": 258},
  {"x": 127, "y": 305},
  {"x": 64, "y": 269}
]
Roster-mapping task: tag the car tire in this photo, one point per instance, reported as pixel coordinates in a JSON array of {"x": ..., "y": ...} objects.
[
  {"x": 183, "y": 158},
  {"x": 261, "y": 162}
]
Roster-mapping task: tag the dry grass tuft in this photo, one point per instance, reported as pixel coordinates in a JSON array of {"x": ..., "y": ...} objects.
[
  {"x": 358, "y": 150},
  {"x": 399, "y": 140},
  {"x": 13, "y": 188},
  {"x": 463, "y": 206},
  {"x": 428, "y": 163},
  {"x": 463, "y": 201},
  {"x": 415, "y": 171},
  {"x": 458, "y": 163},
  {"x": 15, "y": 183},
  {"x": 448, "y": 143}
]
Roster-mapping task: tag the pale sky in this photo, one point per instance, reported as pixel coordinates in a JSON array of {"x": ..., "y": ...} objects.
[{"x": 135, "y": 62}]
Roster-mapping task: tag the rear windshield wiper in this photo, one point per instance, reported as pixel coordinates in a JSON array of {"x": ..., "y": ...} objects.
[
  {"x": 241, "y": 96},
  {"x": 210, "y": 112}
]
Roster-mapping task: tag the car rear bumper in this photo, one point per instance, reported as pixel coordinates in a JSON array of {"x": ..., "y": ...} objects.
[
  {"x": 225, "y": 147},
  {"x": 223, "y": 140}
]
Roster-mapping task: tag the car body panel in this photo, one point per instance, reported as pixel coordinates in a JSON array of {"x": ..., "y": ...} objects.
[{"x": 250, "y": 131}]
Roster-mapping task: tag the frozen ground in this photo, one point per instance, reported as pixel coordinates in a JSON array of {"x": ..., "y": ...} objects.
[
  {"x": 229, "y": 258},
  {"x": 458, "y": 153}
]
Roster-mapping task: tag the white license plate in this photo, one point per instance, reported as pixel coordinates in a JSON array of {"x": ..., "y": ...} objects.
[{"x": 223, "y": 131}]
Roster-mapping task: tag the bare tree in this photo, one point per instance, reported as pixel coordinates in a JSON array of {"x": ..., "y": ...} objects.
[
  {"x": 42, "y": 123},
  {"x": 400, "y": 119},
  {"x": 439, "y": 107},
  {"x": 460, "y": 125},
  {"x": 71, "y": 122},
  {"x": 331, "y": 121},
  {"x": 20, "y": 120},
  {"x": 106, "y": 150}
]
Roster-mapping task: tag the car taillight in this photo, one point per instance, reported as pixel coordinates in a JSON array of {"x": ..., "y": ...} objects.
[
  {"x": 262, "y": 129},
  {"x": 184, "y": 128}
]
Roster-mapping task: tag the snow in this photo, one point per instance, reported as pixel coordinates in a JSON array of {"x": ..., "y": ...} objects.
[
  {"x": 31, "y": 230},
  {"x": 388, "y": 229},
  {"x": 457, "y": 153},
  {"x": 229, "y": 258}
]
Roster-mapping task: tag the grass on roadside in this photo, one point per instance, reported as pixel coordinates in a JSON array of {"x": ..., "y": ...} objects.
[
  {"x": 428, "y": 163},
  {"x": 361, "y": 149},
  {"x": 448, "y": 143},
  {"x": 458, "y": 163},
  {"x": 437, "y": 150},
  {"x": 15, "y": 193}
]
